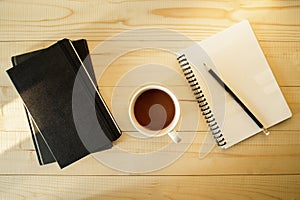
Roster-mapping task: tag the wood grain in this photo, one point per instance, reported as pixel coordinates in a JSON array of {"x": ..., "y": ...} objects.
[
  {"x": 32, "y": 20},
  {"x": 150, "y": 187},
  {"x": 277, "y": 154},
  {"x": 259, "y": 168}
]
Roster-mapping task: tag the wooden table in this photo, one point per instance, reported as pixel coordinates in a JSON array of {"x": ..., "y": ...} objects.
[{"x": 258, "y": 168}]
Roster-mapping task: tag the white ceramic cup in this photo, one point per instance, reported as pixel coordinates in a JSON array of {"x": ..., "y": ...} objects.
[{"x": 170, "y": 128}]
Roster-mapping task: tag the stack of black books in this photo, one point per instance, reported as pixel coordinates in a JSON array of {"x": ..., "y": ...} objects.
[{"x": 67, "y": 116}]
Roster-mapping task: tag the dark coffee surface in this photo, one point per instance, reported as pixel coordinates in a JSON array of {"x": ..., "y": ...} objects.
[{"x": 154, "y": 109}]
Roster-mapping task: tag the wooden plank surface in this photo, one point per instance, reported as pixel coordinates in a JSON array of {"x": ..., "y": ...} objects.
[
  {"x": 273, "y": 20},
  {"x": 150, "y": 187},
  {"x": 278, "y": 154},
  {"x": 259, "y": 168}
]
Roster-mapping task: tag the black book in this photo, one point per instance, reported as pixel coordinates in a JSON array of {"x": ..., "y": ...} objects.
[
  {"x": 43, "y": 152},
  {"x": 58, "y": 88}
]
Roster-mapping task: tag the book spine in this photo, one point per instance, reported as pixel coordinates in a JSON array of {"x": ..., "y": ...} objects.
[{"x": 201, "y": 100}]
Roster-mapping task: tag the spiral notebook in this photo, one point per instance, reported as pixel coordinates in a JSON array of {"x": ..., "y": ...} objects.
[{"x": 236, "y": 56}]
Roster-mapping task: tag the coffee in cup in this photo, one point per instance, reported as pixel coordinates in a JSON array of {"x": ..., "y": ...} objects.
[{"x": 155, "y": 111}]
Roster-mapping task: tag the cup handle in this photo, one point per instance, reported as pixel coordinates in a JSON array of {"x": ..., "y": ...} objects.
[{"x": 174, "y": 137}]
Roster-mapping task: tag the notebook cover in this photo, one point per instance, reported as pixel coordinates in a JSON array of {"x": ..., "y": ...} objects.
[
  {"x": 43, "y": 152},
  {"x": 50, "y": 105}
]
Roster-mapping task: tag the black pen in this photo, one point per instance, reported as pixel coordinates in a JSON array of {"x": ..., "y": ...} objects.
[{"x": 218, "y": 79}]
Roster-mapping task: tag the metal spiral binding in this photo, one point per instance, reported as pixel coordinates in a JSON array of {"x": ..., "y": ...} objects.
[{"x": 201, "y": 100}]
